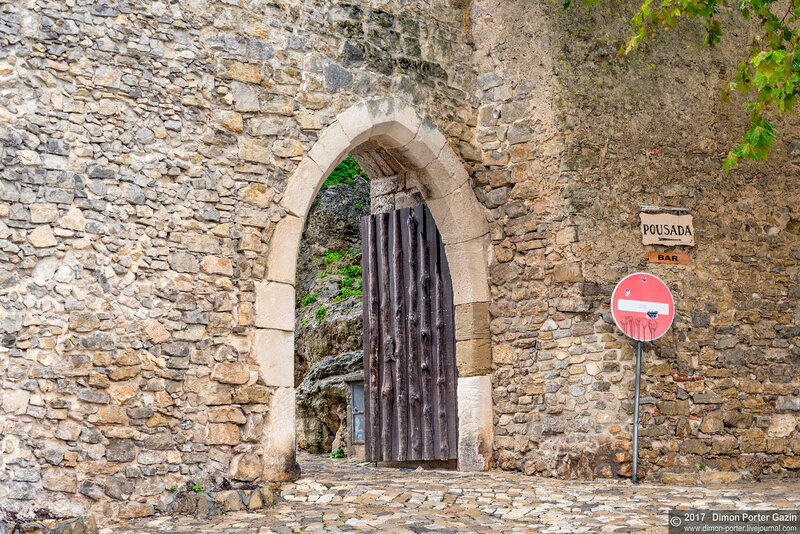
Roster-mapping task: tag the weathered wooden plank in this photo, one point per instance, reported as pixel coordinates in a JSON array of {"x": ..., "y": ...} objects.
[
  {"x": 414, "y": 386},
  {"x": 369, "y": 260},
  {"x": 451, "y": 376},
  {"x": 387, "y": 342},
  {"x": 426, "y": 345},
  {"x": 401, "y": 363},
  {"x": 443, "y": 450}
]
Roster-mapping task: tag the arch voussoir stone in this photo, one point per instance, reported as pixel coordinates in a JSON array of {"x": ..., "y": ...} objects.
[
  {"x": 357, "y": 123},
  {"x": 331, "y": 148},
  {"x": 418, "y": 145},
  {"x": 458, "y": 215},
  {"x": 425, "y": 147},
  {"x": 284, "y": 245},
  {"x": 302, "y": 188},
  {"x": 443, "y": 175},
  {"x": 394, "y": 126}
]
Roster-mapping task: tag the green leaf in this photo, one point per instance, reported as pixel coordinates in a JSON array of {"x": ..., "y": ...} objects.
[{"x": 730, "y": 162}]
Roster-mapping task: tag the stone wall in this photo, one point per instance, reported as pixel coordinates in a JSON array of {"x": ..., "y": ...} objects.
[
  {"x": 144, "y": 148},
  {"x": 573, "y": 139}
]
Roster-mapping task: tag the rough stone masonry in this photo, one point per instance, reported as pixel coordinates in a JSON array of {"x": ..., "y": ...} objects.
[{"x": 144, "y": 151}]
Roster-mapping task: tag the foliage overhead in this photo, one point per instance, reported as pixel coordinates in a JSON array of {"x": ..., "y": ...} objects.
[
  {"x": 772, "y": 66},
  {"x": 345, "y": 172}
]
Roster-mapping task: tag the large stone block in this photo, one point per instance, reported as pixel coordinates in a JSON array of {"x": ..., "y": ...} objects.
[
  {"x": 567, "y": 272},
  {"x": 472, "y": 321},
  {"x": 60, "y": 479},
  {"x": 356, "y": 123},
  {"x": 223, "y": 434},
  {"x": 475, "y": 430},
  {"x": 282, "y": 260},
  {"x": 459, "y": 217},
  {"x": 231, "y": 373},
  {"x": 469, "y": 270},
  {"x": 275, "y": 354},
  {"x": 331, "y": 148},
  {"x": 246, "y": 467},
  {"x": 302, "y": 188},
  {"x": 275, "y": 306},
  {"x": 395, "y": 125},
  {"x": 473, "y": 357},
  {"x": 279, "y": 431},
  {"x": 443, "y": 175},
  {"x": 425, "y": 147}
]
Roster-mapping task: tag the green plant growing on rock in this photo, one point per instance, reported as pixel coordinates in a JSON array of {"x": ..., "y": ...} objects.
[
  {"x": 331, "y": 256},
  {"x": 771, "y": 67},
  {"x": 338, "y": 453},
  {"x": 308, "y": 299},
  {"x": 345, "y": 172},
  {"x": 320, "y": 313},
  {"x": 173, "y": 488}
]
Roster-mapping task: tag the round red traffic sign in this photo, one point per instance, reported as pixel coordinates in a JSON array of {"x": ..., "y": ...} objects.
[{"x": 642, "y": 306}]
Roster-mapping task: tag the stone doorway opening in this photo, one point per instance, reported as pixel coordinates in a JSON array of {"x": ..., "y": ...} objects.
[
  {"x": 328, "y": 343},
  {"x": 388, "y": 138},
  {"x": 328, "y": 366}
]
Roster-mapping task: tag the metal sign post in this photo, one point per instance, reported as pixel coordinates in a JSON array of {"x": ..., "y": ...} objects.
[
  {"x": 636, "y": 410},
  {"x": 643, "y": 308}
]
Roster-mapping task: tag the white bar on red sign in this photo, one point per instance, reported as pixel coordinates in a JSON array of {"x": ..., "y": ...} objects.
[{"x": 642, "y": 306}]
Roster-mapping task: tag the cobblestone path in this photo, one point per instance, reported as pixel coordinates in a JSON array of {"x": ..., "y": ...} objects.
[{"x": 347, "y": 496}]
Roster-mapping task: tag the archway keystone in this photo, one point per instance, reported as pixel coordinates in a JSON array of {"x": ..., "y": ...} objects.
[{"x": 418, "y": 145}]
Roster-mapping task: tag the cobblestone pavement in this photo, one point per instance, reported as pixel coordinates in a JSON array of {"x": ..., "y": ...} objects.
[{"x": 347, "y": 496}]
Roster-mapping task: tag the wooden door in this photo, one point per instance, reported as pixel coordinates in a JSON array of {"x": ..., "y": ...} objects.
[{"x": 409, "y": 339}]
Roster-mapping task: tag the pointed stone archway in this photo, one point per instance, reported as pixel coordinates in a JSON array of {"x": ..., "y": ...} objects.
[{"x": 444, "y": 184}]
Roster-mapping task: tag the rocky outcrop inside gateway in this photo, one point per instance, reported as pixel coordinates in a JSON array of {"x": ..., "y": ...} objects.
[{"x": 328, "y": 341}]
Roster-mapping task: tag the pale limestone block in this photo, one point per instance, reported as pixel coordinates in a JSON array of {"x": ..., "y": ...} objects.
[
  {"x": 395, "y": 124},
  {"x": 302, "y": 188},
  {"x": 475, "y": 432},
  {"x": 469, "y": 270},
  {"x": 42, "y": 237},
  {"x": 282, "y": 260},
  {"x": 459, "y": 217},
  {"x": 280, "y": 462},
  {"x": 425, "y": 147},
  {"x": 442, "y": 176},
  {"x": 15, "y": 401},
  {"x": 275, "y": 306},
  {"x": 331, "y": 148},
  {"x": 275, "y": 355},
  {"x": 357, "y": 123}
]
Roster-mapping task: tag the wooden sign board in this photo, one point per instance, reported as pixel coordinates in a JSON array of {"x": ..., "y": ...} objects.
[
  {"x": 678, "y": 258},
  {"x": 667, "y": 229}
]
